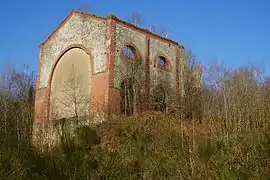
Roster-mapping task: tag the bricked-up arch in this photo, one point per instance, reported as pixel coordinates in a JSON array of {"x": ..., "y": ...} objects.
[{"x": 70, "y": 84}]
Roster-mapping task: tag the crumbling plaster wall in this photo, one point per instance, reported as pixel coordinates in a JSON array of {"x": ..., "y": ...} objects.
[{"x": 81, "y": 30}]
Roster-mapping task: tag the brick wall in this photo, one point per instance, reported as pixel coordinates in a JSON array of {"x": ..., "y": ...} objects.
[
  {"x": 78, "y": 30},
  {"x": 102, "y": 39}
]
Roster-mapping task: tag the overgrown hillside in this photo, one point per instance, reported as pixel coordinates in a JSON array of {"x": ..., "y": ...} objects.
[
  {"x": 151, "y": 146},
  {"x": 220, "y": 131}
]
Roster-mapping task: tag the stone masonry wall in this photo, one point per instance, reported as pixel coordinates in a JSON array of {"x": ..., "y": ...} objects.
[
  {"x": 80, "y": 30},
  {"x": 157, "y": 47},
  {"x": 103, "y": 39},
  {"x": 127, "y": 36},
  {"x": 161, "y": 48},
  {"x": 149, "y": 47}
]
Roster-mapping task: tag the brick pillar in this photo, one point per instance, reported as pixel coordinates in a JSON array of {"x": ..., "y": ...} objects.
[
  {"x": 114, "y": 94},
  {"x": 42, "y": 95},
  {"x": 147, "y": 80},
  {"x": 41, "y": 105}
]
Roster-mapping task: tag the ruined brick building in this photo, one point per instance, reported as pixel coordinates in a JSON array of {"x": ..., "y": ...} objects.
[{"x": 84, "y": 64}]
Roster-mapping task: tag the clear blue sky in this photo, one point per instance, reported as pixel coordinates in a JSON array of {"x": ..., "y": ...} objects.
[{"x": 234, "y": 31}]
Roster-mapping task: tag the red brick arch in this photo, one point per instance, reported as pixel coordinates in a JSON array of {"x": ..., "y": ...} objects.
[
  {"x": 168, "y": 62},
  {"x": 137, "y": 52}
]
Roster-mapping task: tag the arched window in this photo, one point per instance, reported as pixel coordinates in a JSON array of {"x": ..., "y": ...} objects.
[
  {"x": 129, "y": 52},
  {"x": 159, "y": 99},
  {"x": 127, "y": 97},
  {"x": 163, "y": 63}
]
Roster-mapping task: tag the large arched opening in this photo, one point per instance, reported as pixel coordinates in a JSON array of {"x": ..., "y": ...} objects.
[{"x": 70, "y": 85}]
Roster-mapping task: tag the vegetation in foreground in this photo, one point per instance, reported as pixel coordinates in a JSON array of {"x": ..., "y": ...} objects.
[
  {"x": 230, "y": 141},
  {"x": 152, "y": 146}
]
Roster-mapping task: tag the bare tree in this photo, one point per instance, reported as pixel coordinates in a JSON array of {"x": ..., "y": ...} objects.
[
  {"x": 152, "y": 29},
  {"x": 73, "y": 100},
  {"x": 192, "y": 87},
  {"x": 129, "y": 73},
  {"x": 163, "y": 93},
  {"x": 164, "y": 32},
  {"x": 135, "y": 19},
  {"x": 137, "y": 92},
  {"x": 16, "y": 104}
]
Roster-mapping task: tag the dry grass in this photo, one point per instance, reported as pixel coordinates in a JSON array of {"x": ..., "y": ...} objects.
[
  {"x": 155, "y": 146},
  {"x": 231, "y": 139}
]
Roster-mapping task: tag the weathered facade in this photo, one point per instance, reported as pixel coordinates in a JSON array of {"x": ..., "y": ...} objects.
[{"x": 84, "y": 62}]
